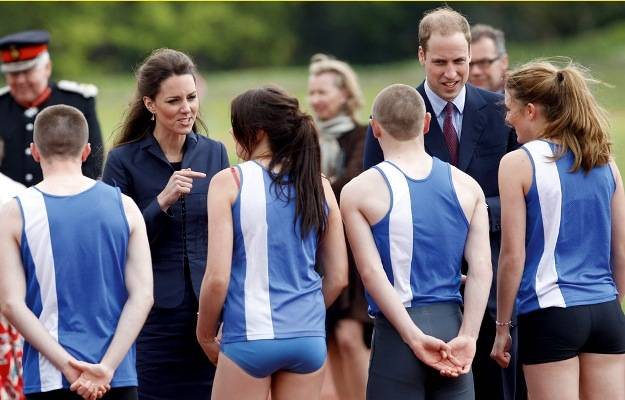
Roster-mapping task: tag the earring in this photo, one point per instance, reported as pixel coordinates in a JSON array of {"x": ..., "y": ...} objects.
[{"x": 152, "y": 116}]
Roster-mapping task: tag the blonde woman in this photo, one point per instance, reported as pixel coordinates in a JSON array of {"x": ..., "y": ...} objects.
[
  {"x": 563, "y": 253},
  {"x": 335, "y": 97}
]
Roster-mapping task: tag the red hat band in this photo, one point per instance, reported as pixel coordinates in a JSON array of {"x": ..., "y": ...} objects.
[{"x": 15, "y": 54}]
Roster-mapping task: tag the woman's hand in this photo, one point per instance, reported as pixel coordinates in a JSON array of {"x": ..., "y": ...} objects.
[
  {"x": 179, "y": 184},
  {"x": 501, "y": 347},
  {"x": 211, "y": 349}
]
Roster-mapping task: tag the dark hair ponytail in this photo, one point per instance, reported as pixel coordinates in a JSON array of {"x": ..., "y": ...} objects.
[{"x": 294, "y": 144}]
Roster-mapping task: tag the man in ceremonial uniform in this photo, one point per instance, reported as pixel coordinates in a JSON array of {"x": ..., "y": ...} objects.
[{"x": 27, "y": 67}]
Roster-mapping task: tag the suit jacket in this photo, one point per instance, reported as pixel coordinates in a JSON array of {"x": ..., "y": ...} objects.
[
  {"x": 16, "y": 130},
  {"x": 141, "y": 171},
  {"x": 484, "y": 140}
]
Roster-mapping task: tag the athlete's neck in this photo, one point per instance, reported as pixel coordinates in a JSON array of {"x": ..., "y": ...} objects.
[
  {"x": 410, "y": 157},
  {"x": 262, "y": 153},
  {"x": 63, "y": 178}
]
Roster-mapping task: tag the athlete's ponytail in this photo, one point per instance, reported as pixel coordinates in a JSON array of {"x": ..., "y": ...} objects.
[
  {"x": 294, "y": 145},
  {"x": 572, "y": 113}
]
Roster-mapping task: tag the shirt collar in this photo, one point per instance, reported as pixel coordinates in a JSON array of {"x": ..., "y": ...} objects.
[
  {"x": 149, "y": 140},
  {"x": 438, "y": 103}
]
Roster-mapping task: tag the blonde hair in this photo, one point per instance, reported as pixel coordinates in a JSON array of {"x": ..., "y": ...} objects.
[
  {"x": 572, "y": 113},
  {"x": 445, "y": 21},
  {"x": 345, "y": 79}
]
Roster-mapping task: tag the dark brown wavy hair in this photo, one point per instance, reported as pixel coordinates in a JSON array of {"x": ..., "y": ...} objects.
[
  {"x": 160, "y": 65},
  {"x": 294, "y": 144}
]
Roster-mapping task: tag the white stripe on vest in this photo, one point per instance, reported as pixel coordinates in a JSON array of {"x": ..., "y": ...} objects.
[
  {"x": 259, "y": 324},
  {"x": 550, "y": 198},
  {"x": 37, "y": 233},
  {"x": 400, "y": 232}
]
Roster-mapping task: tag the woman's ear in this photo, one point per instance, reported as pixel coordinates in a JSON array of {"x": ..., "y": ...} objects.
[
  {"x": 149, "y": 104},
  {"x": 531, "y": 110}
]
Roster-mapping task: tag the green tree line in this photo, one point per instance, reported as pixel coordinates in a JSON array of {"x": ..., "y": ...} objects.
[{"x": 110, "y": 37}]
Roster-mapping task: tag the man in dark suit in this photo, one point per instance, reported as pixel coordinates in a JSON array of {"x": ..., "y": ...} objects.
[
  {"x": 27, "y": 67},
  {"x": 467, "y": 130}
]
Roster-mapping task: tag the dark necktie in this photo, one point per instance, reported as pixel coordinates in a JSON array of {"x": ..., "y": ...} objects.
[{"x": 449, "y": 132}]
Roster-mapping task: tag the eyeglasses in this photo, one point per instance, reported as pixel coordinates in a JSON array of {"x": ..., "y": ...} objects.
[{"x": 483, "y": 63}]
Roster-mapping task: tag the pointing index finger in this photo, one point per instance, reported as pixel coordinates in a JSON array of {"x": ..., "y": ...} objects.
[{"x": 188, "y": 172}]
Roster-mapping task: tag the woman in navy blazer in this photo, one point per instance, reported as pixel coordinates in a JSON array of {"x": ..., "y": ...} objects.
[{"x": 162, "y": 163}]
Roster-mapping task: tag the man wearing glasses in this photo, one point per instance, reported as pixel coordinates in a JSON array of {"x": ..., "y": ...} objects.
[{"x": 489, "y": 59}]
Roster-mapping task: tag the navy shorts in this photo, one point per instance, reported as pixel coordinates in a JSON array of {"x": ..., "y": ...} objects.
[
  {"x": 262, "y": 358},
  {"x": 556, "y": 334}
]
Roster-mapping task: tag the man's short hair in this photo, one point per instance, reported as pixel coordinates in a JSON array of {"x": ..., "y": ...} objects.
[
  {"x": 400, "y": 110},
  {"x": 444, "y": 21},
  {"x": 61, "y": 131},
  {"x": 480, "y": 31}
]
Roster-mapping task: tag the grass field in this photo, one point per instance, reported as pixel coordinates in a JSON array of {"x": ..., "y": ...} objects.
[{"x": 602, "y": 51}]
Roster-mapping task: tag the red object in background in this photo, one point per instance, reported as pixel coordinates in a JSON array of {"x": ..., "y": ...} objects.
[{"x": 11, "y": 381}]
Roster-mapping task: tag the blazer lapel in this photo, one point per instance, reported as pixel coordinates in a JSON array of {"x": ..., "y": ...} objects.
[
  {"x": 189, "y": 149},
  {"x": 434, "y": 141},
  {"x": 149, "y": 144},
  {"x": 473, "y": 124}
]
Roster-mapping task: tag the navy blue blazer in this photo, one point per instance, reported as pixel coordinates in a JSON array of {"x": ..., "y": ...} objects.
[
  {"x": 484, "y": 140},
  {"x": 141, "y": 171}
]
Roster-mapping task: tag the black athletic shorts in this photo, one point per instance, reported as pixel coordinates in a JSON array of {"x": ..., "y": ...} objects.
[
  {"x": 556, "y": 334},
  {"x": 119, "y": 393}
]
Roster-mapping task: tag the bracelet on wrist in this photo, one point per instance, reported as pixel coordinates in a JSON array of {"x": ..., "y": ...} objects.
[{"x": 505, "y": 323}]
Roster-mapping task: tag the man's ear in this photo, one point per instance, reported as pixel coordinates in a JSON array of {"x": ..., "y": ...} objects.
[
  {"x": 421, "y": 55},
  {"x": 376, "y": 129},
  {"x": 34, "y": 152},
  {"x": 48, "y": 69},
  {"x": 427, "y": 118},
  {"x": 85, "y": 152},
  {"x": 504, "y": 62}
]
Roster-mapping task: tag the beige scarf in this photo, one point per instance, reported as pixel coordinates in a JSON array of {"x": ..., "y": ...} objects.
[{"x": 332, "y": 156}]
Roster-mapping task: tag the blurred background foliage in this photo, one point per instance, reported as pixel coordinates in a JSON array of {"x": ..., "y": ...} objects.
[
  {"x": 109, "y": 37},
  {"x": 241, "y": 45}
]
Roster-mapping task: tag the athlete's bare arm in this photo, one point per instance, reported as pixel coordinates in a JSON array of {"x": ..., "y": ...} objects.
[
  {"x": 222, "y": 192},
  {"x": 618, "y": 233},
  {"x": 478, "y": 256},
  {"x": 332, "y": 251},
  {"x": 515, "y": 176},
  {"x": 13, "y": 293},
  {"x": 365, "y": 201},
  {"x": 139, "y": 285}
]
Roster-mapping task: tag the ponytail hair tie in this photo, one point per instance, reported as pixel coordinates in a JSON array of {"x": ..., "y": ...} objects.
[{"x": 559, "y": 76}]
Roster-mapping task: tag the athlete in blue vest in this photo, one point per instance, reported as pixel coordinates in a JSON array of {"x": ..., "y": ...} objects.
[
  {"x": 563, "y": 239},
  {"x": 410, "y": 221},
  {"x": 272, "y": 220},
  {"x": 76, "y": 273}
]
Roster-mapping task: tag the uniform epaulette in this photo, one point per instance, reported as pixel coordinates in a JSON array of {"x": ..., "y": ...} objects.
[
  {"x": 4, "y": 90},
  {"x": 85, "y": 89}
]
